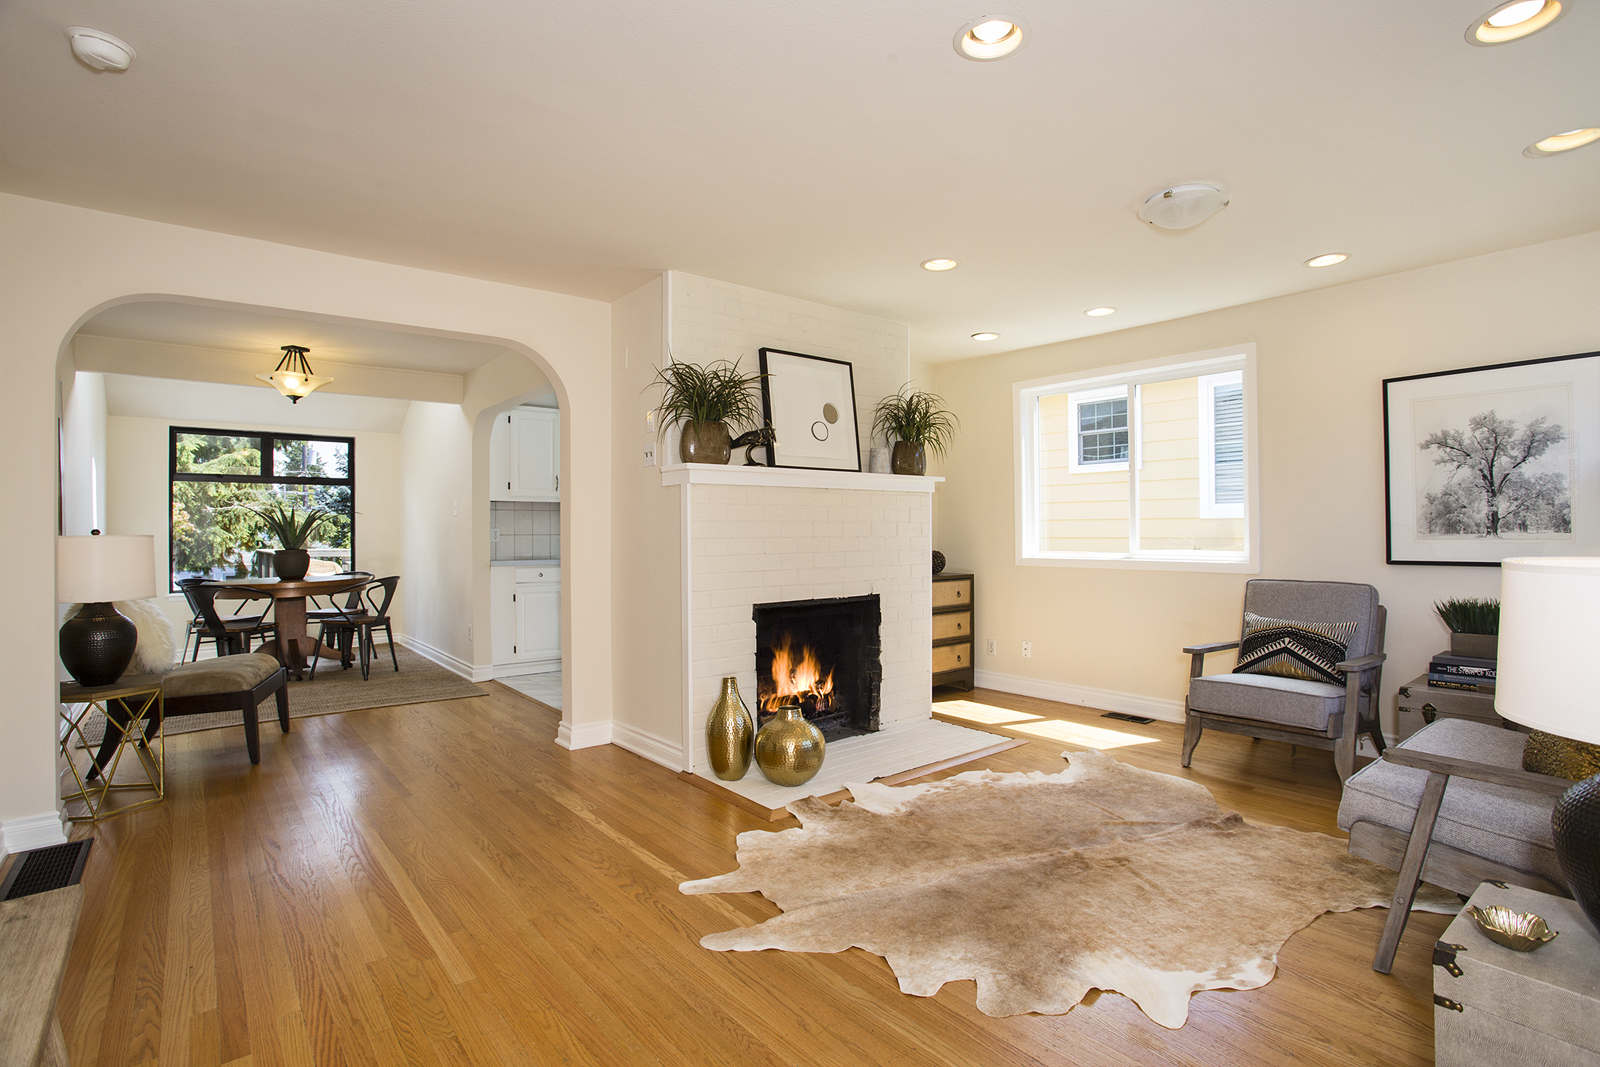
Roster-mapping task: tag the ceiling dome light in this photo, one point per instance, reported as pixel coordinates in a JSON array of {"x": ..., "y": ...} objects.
[
  {"x": 1327, "y": 259},
  {"x": 1558, "y": 143},
  {"x": 1097, "y": 312},
  {"x": 990, "y": 37},
  {"x": 940, "y": 264},
  {"x": 1183, "y": 206},
  {"x": 1514, "y": 20},
  {"x": 100, "y": 50},
  {"x": 294, "y": 378},
  {"x": 987, "y": 335}
]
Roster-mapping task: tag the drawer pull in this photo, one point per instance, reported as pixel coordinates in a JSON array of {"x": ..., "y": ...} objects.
[{"x": 958, "y": 626}]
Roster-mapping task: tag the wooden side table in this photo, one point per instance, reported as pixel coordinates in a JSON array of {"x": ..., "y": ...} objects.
[
  {"x": 952, "y": 630},
  {"x": 134, "y": 717},
  {"x": 1419, "y": 704},
  {"x": 1496, "y": 1005}
]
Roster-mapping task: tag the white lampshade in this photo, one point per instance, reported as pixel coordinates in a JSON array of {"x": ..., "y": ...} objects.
[
  {"x": 105, "y": 567},
  {"x": 1549, "y": 636}
]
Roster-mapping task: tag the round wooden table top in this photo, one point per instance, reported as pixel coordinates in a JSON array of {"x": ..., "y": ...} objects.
[{"x": 280, "y": 588}]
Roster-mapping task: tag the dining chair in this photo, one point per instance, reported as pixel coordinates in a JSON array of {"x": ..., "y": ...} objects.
[
  {"x": 372, "y": 613},
  {"x": 232, "y": 633}
]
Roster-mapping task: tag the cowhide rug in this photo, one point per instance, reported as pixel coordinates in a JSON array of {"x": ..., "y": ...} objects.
[{"x": 1041, "y": 887}]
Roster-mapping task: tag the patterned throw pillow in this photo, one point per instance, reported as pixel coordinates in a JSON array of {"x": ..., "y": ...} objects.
[{"x": 1305, "y": 650}]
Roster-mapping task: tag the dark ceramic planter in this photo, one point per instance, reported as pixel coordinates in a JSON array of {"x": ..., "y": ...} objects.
[
  {"x": 291, "y": 563},
  {"x": 704, "y": 442},
  {"x": 909, "y": 458},
  {"x": 1482, "y": 646}
]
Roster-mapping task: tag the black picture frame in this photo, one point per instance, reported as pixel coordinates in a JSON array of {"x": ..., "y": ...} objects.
[
  {"x": 792, "y": 385},
  {"x": 1489, "y": 463}
]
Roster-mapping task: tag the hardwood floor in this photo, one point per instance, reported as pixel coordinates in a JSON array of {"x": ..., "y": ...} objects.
[{"x": 442, "y": 884}]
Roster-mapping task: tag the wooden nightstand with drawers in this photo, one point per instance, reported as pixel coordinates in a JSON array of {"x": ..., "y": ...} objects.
[{"x": 952, "y": 630}]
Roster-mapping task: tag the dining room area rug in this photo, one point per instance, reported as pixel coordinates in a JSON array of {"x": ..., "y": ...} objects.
[{"x": 1041, "y": 887}]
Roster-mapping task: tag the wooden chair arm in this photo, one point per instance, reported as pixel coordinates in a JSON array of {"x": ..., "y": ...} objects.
[
  {"x": 1215, "y": 646},
  {"x": 1514, "y": 777},
  {"x": 1361, "y": 664}
]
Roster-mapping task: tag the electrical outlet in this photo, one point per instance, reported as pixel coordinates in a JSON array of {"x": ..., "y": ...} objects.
[
  {"x": 991, "y": 646},
  {"x": 650, "y": 453},
  {"x": 1027, "y": 650}
]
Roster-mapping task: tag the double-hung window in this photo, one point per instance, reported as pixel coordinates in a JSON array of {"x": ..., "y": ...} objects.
[
  {"x": 1150, "y": 464},
  {"x": 219, "y": 476}
]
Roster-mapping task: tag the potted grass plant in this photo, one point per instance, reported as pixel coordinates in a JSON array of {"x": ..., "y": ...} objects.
[
  {"x": 706, "y": 400},
  {"x": 915, "y": 423},
  {"x": 294, "y": 530},
  {"x": 1474, "y": 624}
]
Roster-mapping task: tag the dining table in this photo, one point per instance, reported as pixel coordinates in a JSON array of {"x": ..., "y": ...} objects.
[{"x": 293, "y": 646}]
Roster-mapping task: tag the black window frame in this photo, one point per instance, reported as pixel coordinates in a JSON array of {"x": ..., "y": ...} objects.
[{"x": 267, "y": 477}]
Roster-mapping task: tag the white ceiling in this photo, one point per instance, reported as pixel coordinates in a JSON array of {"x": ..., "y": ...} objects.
[{"x": 823, "y": 150}]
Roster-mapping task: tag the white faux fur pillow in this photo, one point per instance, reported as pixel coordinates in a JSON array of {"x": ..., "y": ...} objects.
[{"x": 158, "y": 639}]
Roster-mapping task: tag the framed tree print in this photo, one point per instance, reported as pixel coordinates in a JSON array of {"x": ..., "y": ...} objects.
[{"x": 1488, "y": 463}]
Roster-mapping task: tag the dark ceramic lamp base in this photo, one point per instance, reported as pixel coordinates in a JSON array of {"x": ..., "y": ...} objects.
[
  {"x": 97, "y": 644},
  {"x": 1576, "y": 827}
]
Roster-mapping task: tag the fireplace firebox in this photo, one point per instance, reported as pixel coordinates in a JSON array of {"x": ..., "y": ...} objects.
[{"x": 825, "y": 656}]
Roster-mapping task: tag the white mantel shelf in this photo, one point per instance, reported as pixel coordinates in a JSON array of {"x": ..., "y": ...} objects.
[{"x": 795, "y": 478}]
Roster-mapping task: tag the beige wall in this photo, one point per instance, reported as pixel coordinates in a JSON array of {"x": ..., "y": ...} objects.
[
  {"x": 62, "y": 264},
  {"x": 1112, "y": 636},
  {"x": 436, "y": 513}
]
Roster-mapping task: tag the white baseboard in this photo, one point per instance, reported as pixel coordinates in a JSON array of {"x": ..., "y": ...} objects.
[
  {"x": 439, "y": 656},
  {"x": 587, "y": 735},
  {"x": 1089, "y": 697},
  {"x": 651, "y": 747},
  {"x": 31, "y": 831}
]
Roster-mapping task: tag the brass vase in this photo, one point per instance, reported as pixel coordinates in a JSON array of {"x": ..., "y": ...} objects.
[
  {"x": 729, "y": 731},
  {"x": 789, "y": 749}
]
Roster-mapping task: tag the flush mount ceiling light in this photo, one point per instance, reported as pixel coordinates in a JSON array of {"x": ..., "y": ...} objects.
[
  {"x": 987, "y": 335},
  {"x": 1512, "y": 21},
  {"x": 1327, "y": 259},
  {"x": 293, "y": 378},
  {"x": 1558, "y": 143},
  {"x": 1183, "y": 206},
  {"x": 939, "y": 264},
  {"x": 990, "y": 37},
  {"x": 1097, "y": 312},
  {"x": 100, "y": 50}
]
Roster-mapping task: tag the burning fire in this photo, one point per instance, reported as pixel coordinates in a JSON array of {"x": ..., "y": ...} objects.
[{"x": 797, "y": 678}]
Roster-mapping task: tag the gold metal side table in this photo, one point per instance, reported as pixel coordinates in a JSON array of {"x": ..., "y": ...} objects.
[{"x": 133, "y": 712}]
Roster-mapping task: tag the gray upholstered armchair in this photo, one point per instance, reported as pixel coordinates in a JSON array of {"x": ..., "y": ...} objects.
[{"x": 1310, "y": 664}]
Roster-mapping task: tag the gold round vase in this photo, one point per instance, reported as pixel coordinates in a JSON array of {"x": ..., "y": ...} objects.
[
  {"x": 729, "y": 731},
  {"x": 789, "y": 749}
]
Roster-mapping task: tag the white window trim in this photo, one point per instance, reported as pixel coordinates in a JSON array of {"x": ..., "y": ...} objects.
[
  {"x": 1209, "y": 508},
  {"x": 1026, "y": 444}
]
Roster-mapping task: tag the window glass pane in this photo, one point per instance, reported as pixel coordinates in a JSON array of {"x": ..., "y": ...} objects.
[
  {"x": 216, "y": 535},
  {"x": 1082, "y": 510},
  {"x": 1170, "y": 482},
  {"x": 200, "y": 453},
  {"x": 310, "y": 459}
]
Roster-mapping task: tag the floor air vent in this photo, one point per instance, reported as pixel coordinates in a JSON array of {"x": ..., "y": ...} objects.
[
  {"x": 44, "y": 869},
  {"x": 1125, "y": 717}
]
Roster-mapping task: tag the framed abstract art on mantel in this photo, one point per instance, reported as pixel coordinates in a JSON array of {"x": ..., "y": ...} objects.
[
  {"x": 1487, "y": 463},
  {"x": 810, "y": 403}
]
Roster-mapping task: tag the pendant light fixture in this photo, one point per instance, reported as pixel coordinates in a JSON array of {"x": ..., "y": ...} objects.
[{"x": 293, "y": 378}]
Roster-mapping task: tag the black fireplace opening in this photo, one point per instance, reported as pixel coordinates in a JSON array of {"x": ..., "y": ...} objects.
[{"x": 825, "y": 656}]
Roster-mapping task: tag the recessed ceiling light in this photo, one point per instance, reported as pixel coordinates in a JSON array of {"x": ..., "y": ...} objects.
[
  {"x": 990, "y": 37},
  {"x": 1183, "y": 206},
  {"x": 1097, "y": 312},
  {"x": 1513, "y": 20},
  {"x": 1558, "y": 143},
  {"x": 1326, "y": 260},
  {"x": 986, "y": 335},
  {"x": 939, "y": 264},
  {"x": 100, "y": 50}
]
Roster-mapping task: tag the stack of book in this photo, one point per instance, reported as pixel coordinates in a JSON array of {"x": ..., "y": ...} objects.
[{"x": 1461, "y": 672}]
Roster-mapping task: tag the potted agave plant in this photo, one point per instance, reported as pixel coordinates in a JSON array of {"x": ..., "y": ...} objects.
[
  {"x": 705, "y": 399},
  {"x": 294, "y": 529},
  {"x": 1474, "y": 624},
  {"x": 916, "y": 423}
]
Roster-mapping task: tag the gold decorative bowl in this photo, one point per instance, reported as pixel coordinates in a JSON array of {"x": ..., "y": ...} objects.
[{"x": 1520, "y": 930}]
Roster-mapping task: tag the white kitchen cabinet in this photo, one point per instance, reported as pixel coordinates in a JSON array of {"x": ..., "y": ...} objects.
[
  {"x": 525, "y": 455},
  {"x": 526, "y": 618}
]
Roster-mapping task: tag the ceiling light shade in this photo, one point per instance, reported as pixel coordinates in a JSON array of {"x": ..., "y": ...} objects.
[
  {"x": 1327, "y": 259},
  {"x": 100, "y": 50},
  {"x": 1558, "y": 143},
  {"x": 293, "y": 378},
  {"x": 990, "y": 37},
  {"x": 1097, "y": 312},
  {"x": 939, "y": 264},
  {"x": 1514, "y": 20},
  {"x": 1183, "y": 206},
  {"x": 986, "y": 335}
]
